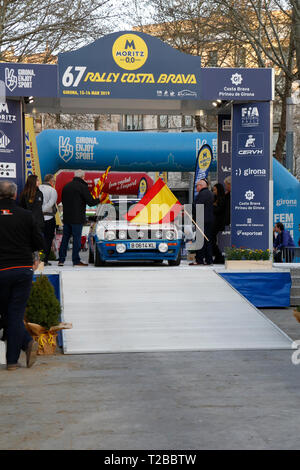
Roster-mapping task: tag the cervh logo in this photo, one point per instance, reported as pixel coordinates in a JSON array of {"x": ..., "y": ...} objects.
[
  {"x": 65, "y": 149},
  {"x": 249, "y": 116},
  {"x": 251, "y": 144},
  {"x": 130, "y": 51}
]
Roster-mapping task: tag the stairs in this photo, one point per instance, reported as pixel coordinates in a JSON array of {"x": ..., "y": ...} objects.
[{"x": 295, "y": 289}]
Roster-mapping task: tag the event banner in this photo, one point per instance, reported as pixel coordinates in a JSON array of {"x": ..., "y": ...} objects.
[
  {"x": 29, "y": 79},
  {"x": 131, "y": 65},
  {"x": 203, "y": 163},
  {"x": 238, "y": 84},
  {"x": 250, "y": 175},
  {"x": 224, "y": 147},
  {"x": 32, "y": 164},
  {"x": 224, "y": 167},
  {"x": 11, "y": 143},
  {"x": 123, "y": 151}
]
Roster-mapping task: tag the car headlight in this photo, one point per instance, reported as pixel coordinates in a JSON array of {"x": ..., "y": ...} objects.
[
  {"x": 121, "y": 247},
  {"x": 110, "y": 235},
  {"x": 170, "y": 235},
  {"x": 163, "y": 247},
  {"x": 158, "y": 234},
  {"x": 122, "y": 234}
]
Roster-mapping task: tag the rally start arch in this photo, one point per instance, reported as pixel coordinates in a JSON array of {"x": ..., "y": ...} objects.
[{"x": 132, "y": 72}]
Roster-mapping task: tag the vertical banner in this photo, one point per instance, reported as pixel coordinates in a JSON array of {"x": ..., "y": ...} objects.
[
  {"x": 203, "y": 162},
  {"x": 32, "y": 164},
  {"x": 224, "y": 147},
  {"x": 250, "y": 175},
  {"x": 224, "y": 168},
  {"x": 11, "y": 142}
]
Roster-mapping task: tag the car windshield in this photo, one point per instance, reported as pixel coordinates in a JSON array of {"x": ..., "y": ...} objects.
[{"x": 115, "y": 211}]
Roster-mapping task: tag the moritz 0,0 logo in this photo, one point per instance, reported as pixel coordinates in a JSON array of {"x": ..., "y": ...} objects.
[{"x": 130, "y": 51}]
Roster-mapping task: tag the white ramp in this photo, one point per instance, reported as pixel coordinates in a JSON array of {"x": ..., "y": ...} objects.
[{"x": 160, "y": 309}]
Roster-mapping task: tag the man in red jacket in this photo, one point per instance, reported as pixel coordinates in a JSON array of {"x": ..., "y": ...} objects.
[
  {"x": 75, "y": 197},
  {"x": 19, "y": 239}
]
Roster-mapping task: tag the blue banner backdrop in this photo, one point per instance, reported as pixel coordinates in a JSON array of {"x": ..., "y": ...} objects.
[
  {"x": 29, "y": 79},
  {"x": 250, "y": 175},
  {"x": 123, "y": 151},
  {"x": 11, "y": 142},
  {"x": 286, "y": 200},
  {"x": 237, "y": 84}
]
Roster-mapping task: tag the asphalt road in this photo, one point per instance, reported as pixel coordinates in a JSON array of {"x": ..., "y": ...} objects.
[{"x": 147, "y": 401}]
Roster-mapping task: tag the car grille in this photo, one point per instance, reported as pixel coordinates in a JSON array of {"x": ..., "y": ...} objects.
[{"x": 141, "y": 234}]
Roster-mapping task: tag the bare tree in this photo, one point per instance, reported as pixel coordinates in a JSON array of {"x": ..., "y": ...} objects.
[
  {"x": 29, "y": 27},
  {"x": 267, "y": 26},
  {"x": 263, "y": 30}
]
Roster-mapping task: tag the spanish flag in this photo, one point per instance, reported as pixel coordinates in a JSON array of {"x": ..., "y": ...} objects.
[
  {"x": 99, "y": 186},
  {"x": 158, "y": 206}
]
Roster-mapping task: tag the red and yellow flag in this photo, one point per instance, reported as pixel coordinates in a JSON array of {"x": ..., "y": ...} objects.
[
  {"x": 96, "y": 191},
  {"x": 104, "y": 198},
  {"x": 159, "y": 205}
]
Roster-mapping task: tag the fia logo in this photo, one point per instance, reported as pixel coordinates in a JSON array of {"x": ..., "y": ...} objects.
[
  {"x": 250, "y": 116},
  {"x": 65, "y": 149}
]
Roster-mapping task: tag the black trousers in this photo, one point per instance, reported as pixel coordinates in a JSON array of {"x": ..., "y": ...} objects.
[
  {"x": 219, "y": 258},
  {"x": 15, "y": 286},
  {"x": 49, "y": 232},
  {"x": 205, "y": 253}
]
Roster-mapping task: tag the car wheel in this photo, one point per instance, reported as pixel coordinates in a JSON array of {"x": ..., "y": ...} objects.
[
  {"x": 177, "y": 261},
  {"x": 98, "y": 261}
]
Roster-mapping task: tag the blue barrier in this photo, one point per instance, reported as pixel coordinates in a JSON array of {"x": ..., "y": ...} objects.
[{"x": 262, "y": 289}]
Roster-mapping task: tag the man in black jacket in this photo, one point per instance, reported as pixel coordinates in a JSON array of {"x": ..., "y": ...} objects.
[
  {"x": 19, "y": 238},
  {"x": 205, "y": 197},
  {"x": 75, "y": 197}
]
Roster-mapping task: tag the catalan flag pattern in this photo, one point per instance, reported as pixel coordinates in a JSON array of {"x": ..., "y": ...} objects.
[
  {"x": 104, "y": 198},
  {"x": 99, "y": 186},
  {"x": 159, "y": 205}
]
